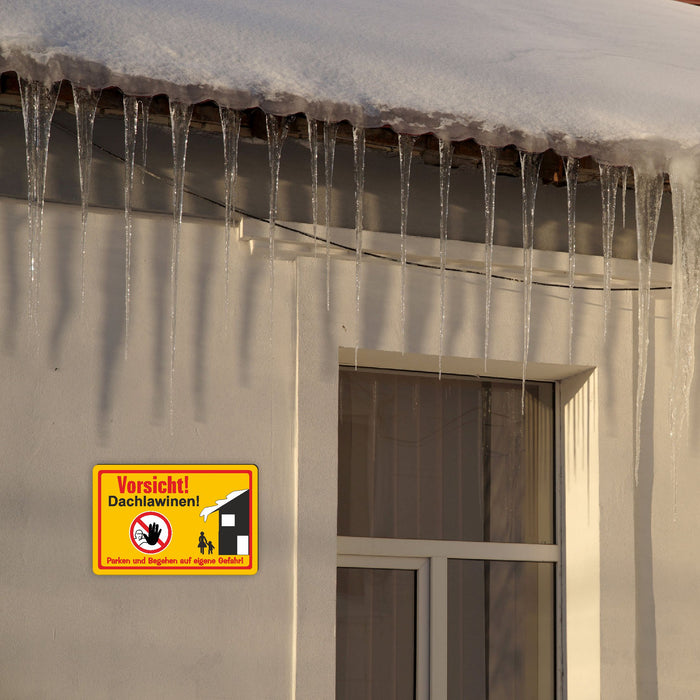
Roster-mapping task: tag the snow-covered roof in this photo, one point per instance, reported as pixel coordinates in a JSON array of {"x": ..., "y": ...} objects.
[
  {"x": 615, "y": 79},
  {"x": 206, "y": 512}
]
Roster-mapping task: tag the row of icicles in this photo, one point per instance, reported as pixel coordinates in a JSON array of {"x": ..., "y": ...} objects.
[{"x": 38, "y": 103}]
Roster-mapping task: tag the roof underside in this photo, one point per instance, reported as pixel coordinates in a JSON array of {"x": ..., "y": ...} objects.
[
  {"x": 206, "y": 198},
  {"x": 206, "y": 118}
]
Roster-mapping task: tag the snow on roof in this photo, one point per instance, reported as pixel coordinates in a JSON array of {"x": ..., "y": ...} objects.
[
  {"x": 619, "y": 79},
  {"x": 206, "y": 512}
]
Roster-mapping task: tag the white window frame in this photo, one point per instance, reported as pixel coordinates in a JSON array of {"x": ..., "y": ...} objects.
[
  {"x": 422, "y": 567},
  {"x": 429, "y": 559}
]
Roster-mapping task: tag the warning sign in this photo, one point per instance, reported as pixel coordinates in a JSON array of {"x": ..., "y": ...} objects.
[{"x": 175, "y": 519}]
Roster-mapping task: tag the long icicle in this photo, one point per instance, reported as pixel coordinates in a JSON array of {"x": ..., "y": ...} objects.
[
  {"x": 446, "y": 150},
  {"x": 312, "y": 129},
  {"x": 648, "y": 189},
  {"x": 529, "y": 174},
  {"x": 330, "y": 131},
  {"x": 685, "y": 183},
  {"x": 180, "y": 117},
  {"x": 406, "y": 143},
  {"x": 85, "y": 101},
  {"x": 38, "y": 104},
  {"x": 571, "y": 170},
  {"x": 276, "y": 134},
  {"x": 609, "y": 181},
  {"x": 131, "y": 122},
  {"x": 144, "y": 106},
  {"x": 277, "y": 128},
  {"x": 489, "y": 160},
  {"x": 230, "y": 130},
  {"x": 358, "y": 149}
]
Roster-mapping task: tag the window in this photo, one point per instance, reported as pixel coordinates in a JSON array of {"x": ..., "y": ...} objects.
[{"x": 447, "y": 547}]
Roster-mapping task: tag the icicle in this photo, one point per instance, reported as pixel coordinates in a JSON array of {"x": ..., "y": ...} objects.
[
  {"x": 648, "y": 190},
  {"x": 609, "y": 180},
  {"x": 230, "y": 129},
  {"x": 445, "y": 171},
  {"x": 358, "y": 148},
  {"x": 85, "y": 101},
  {"x": 38, "y": 104},
  {"x": 330, "y": 131},
  {"x": 312, "y": 126},
  {"x": 685, "y": 183},
  {"x": 571, "y": 170},
  {"x": 144, "y": 105},
  {"x": 623, "y": 180},
  {"x": 131, "y": 116},
  {"x": 489, "y": 160},
  {"x": 276, "y": 133},
  {"x": 406, "y": 144},
  {"x": 180, "y": 117},
  {"x": 529, "y": 173}
]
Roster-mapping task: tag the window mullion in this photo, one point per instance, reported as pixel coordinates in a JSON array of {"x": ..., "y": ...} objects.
[
  {"x": 438, "y": 628},
  {"x": 423, "y": 613}
]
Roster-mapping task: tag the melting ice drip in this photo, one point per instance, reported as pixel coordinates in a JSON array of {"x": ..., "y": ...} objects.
[
  {"x": 38, "y": 104},
  {"x": 609, "y": 180},
  {"x": 529, "y": 173},
  {"x": 85, "y": 102},
  {"x": 144, "y": 105},
  {"x": 489, "y": 160},
  {"x": 312, "y": 130},
  {"x": 623, "y": 194},
  {"x": 180, "y": 117},
  {"x": 648, "y": 190},
  {"x": 571, "y": 171},
  {"x": 131, "y": 123},
  {"x": 358, "y": 148},
  {"x": 446, "y": 150},
  {"x": 406, "y": 143},
  {"x": 330, "y": 132},
  {"x": 230, "y": 130},
  {"x": 276, "y": 134}
]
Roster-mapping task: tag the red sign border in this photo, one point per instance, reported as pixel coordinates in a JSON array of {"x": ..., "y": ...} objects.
[{"x": 104, "y": 567}]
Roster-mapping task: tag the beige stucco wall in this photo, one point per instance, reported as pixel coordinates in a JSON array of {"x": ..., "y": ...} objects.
[
  {"x": 71, "y": 400},
  {"x": 76, "y": 402}
]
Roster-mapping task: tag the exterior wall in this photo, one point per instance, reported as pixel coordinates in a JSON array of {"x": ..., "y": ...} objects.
[
  {"x": 242, "y": 395},
  {"x": 77, "y": 402}
]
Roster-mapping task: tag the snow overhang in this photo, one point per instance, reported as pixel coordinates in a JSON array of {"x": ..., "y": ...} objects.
[
  {"x": 206, "y": 512},
  {"x": 618, "y": 81}
]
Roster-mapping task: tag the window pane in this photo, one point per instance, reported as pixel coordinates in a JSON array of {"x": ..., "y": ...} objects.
[
  {"x": 376, "y": 634},
  {"x": 453, "y": 459},
  {"x": 500, "y": 630}
]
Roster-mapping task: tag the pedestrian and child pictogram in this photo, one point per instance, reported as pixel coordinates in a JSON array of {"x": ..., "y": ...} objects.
[
  {"x": 155, "y": 519},
  {"x": 205, "y": 544}
]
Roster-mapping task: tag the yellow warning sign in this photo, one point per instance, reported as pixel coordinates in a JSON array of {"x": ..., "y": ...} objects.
[{"x": 175, "y": 519}]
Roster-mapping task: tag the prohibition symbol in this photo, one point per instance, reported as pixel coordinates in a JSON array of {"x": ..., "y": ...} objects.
[{"x": 150, "y": 532}]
